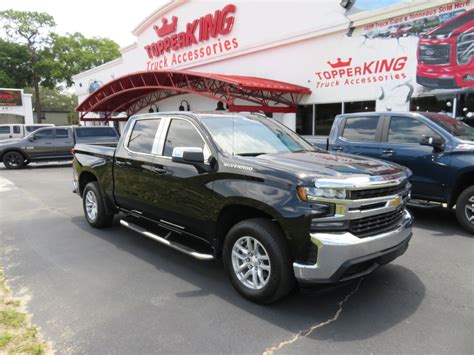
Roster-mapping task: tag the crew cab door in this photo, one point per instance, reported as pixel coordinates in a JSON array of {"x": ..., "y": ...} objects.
[
  {"x": 359, "y": 135},
  {"x": 137, "y": 181},
  {"x": 41, "y": 144},
  {"x": 401, "y": 144},
  {"x": 184, "y": 199},
  {"x": 63, "y": 142}
]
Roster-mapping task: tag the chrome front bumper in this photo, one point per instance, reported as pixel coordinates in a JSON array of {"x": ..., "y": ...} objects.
[{"x": 343, "y": 256}]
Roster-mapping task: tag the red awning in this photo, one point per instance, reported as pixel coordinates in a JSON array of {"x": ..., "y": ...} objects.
[{"x": 134, "y": 92}]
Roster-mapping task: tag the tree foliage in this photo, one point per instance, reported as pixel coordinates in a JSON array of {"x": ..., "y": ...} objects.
[
  {"x": 15, "y": 70},
  {"x": 73, "y": 53}
]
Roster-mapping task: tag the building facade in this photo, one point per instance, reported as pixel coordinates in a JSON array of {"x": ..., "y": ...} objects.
[{"x": 388, "y": 55}]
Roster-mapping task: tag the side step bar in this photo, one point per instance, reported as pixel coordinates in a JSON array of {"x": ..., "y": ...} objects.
[{"x": 164, "y": 240}]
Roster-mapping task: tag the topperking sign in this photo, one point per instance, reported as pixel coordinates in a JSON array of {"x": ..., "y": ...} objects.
[{"x": 201, "y": 38}]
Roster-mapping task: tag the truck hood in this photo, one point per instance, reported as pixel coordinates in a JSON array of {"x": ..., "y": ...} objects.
[
  {"x": 8, "y": 141},
  {"x": 325, "y": 164}
]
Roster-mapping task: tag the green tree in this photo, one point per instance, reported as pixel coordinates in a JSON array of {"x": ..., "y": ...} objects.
[
  {"x": 73, "y": 53},
  {"x": 32, "y": 29},
  {"x": 56, "y": 99},
  {"x": 15, "y": 71}
]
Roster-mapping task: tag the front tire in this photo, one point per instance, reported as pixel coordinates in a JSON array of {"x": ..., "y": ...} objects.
[
  {"x": 257, "y": 260},
  {"x": 465, "y": 209},
  {"x": 94, "y": 206},
  {"x": 13, "y": 160}
]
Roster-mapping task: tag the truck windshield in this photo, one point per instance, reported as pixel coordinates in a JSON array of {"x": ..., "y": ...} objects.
[
  {"x": 456, "y": 128},
  {"x": 253, "y": 135}
]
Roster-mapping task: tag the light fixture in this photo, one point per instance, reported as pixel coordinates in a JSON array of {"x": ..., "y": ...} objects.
[
  {"x": 153, "y": 108},
  {"x": 220, "y": 106},
  {"x": 181, "y": 107},
  {"x": 347, "y": 4}
]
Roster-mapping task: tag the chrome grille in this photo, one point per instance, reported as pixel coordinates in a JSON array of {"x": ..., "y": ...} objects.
[
  {"x": 378, "y": 192},
  {"x": 434, "y": 54},
  {"x": 372, "y": 225}
]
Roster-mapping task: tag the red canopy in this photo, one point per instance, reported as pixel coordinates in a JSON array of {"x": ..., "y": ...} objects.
[{"x": 132, "y": 93}]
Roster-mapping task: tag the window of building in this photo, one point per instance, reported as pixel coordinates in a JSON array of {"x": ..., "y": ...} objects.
[
  {"x": 361, "y": 129},
  {"x": 408, "y": 130},
  {"x": 143, "y": 135},
  {"x": 182, "y": 133},
  {"x": 62, "y": 133},
  {"x": 431, "y": 104},
  {"x": 325, "y": 114},
  {"x": 359, "y": 106},
  {"x": 304, "y": 120}
]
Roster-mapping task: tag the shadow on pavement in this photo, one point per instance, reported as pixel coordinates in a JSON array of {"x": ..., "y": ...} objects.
[
  {"x": 32, "y": 166},
  {"x": 385, "y": 298},
  {"x": 439, "y": 221}
]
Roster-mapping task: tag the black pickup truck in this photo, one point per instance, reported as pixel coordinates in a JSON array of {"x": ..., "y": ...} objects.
[
  {"x": 52, "y": 144},
  {"x": 246, "y": 189}
]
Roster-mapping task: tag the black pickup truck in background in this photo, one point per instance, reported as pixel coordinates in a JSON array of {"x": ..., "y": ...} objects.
[
  {"x": 246, "y": 189},
  {"x": 52, "y": 144}
]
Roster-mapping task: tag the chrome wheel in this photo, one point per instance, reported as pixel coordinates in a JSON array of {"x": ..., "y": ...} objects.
[
  {"x": 251, "y": 263},
  {"x": 91, "y": 205},
  {"x": 469, "y": 210}
]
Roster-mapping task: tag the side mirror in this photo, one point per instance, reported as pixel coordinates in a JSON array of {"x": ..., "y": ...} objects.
[
  {"x": 31, "y": 139},
  {"x": 188, "y": 155},
  {"x": 435, "y": 142},
  {"x": 192, "y": 156}
]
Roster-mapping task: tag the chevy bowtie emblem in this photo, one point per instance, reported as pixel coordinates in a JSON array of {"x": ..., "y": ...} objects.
[{"x": 396, "y": 202}]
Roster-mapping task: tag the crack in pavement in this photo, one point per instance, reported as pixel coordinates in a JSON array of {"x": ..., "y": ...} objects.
[{"x": 305, "y": 333}]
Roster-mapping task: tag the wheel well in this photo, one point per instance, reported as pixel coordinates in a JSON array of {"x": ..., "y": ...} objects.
[
  {"x": 464, "y": 181},
  {"x": 84, "y": 179},
  {"x": 233, "y": 214}
]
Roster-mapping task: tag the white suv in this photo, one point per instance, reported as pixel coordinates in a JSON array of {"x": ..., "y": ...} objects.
[{"x": 17, "y": 130}]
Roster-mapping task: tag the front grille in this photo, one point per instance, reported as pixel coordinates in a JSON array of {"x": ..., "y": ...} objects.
[
  {"x": 369, "y": 226},
  {"x": 434, "y": 54},
  {"x": 378, "y": 192}
]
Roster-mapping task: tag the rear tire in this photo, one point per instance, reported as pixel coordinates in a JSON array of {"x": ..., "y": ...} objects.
[
  {"x": 13, "y": 160},
  {"x": 258, "y": 248},
  {"x": 94, "y": 206},
  {"x": 465, "y": 209}
]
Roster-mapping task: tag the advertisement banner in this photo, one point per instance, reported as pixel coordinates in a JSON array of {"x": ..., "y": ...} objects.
[{"x": 10, "y": 98}]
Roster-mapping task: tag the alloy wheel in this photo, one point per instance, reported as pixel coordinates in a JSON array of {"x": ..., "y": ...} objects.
[
  {"x": 91, "y": 205},
  {"x": 469, "y": 210},
  {"x": 251, "y": 263}
]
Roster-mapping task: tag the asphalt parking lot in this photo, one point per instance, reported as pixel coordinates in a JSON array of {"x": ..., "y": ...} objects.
[{"x": 113, "y": 291}]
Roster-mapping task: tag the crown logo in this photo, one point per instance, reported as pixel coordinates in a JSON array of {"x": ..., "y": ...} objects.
[
  {"x": 166, "y": 28},
  {"x": 340, "y": 63}
]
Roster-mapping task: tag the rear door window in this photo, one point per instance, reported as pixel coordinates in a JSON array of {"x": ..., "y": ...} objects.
[
  {"x": 143, "y": 135},
  {"x": 16, "y": 129},
  {"x": 361, "y": 129},
  {"x": 408, "y": 130}
]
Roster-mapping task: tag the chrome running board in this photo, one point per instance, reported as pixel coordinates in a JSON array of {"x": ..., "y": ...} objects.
[{"x": 164, "y": 240}]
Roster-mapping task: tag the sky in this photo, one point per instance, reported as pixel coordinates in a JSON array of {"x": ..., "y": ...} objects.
[{"x": 92, "y": 17}]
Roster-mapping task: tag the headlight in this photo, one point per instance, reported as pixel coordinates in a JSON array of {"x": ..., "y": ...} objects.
[
  {"x": 465, "y": 48},
  {"x": 310, "y": 194}
]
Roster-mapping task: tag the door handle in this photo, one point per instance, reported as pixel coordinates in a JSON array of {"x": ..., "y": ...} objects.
[
  {"x": 388, "y": 152},
  {"x": 337, "y": 148}
]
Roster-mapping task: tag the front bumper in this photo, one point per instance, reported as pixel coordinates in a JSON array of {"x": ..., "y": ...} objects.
[{"x": 343, "y": 256}]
